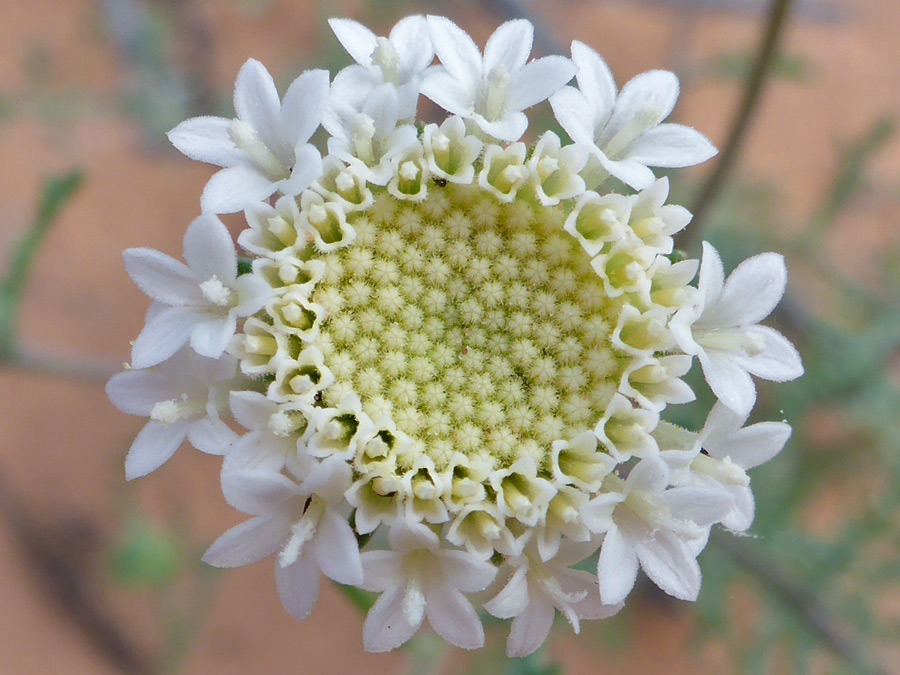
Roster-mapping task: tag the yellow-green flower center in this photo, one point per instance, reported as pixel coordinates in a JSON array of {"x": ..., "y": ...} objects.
[{"x": 477, "y": 327}]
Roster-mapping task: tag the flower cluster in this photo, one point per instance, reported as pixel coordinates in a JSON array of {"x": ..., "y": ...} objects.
[{"x": 451, "y": 350}]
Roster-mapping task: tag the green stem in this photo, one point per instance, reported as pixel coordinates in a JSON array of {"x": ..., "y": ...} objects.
[{"x": 752, "y": 95}]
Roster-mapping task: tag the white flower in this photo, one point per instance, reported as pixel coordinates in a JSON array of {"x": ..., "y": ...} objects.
[
  {"x": 733, "y": 449},
  {"x": 277, "y": 435},
  {"x": 535, "y": 590},
  {"x": 492, "y": 90},
  {"x": 624, "y": 133},
  {"x": 200, "y": 301},
  {"x": 417, "y": 580},
  {"x": 183, "y": 397},
  {"x": 303, "y": 522},
  {"x": 368, "y": 138},
  {"x": 722, "y": 329},
  {"x": 399, "y": 59},
  {"x": 661, "y": 530},
  {"x": 265, "y": 149}
]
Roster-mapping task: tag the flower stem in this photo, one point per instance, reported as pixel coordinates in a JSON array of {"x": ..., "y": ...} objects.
[{"x": 752, "y": 94}]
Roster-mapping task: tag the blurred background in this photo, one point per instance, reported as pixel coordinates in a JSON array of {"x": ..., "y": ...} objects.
[{"x": 103, "y": 577}]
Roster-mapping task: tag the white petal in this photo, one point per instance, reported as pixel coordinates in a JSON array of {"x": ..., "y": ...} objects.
[
  {"x": 629, "y": 171},
  {"x": 456, "y": 51},
  {"x": 304, "y": 105},
  {"x": 755, "y": 444},
  {"x": 298, "y": 586},
  {"x": 591, "y": 606},
  {"x": 251, "y": 409},
  {"x": 414, "y": 51},
  {"x": 163, "y": 335},
  {"x": 510, "y": 128},
  {"x": 617, "y": 567},
  {"x": 573, "y": 112},
  {"x": 671, "y": 146},
  {"x": 235, "y": 188},
  {"x": 538, "y": 81},
  {"x": 509, "y": 45},
  {"x": 729, "y": 381},
  {"x": 257, "y": 450},
  {"x": 337, "y": 550},
  {"x": 256, "y": 102},
  {"x": 253, "y": 292},
  {"x": 531, "y": 627},
  {"x": 652, "y": 93},
  {"x": 161, "y": 277},
  {"x": 452, "y": 616},
  {"x": 741, "y": 517},
  {"x": 712, "y": 274},
  {"x": 211, "y": 435},
  {"x": 248, "y": 542},
  {"x": 136, "y": 391},
  {"x": 210, "y": 336},
  {"x": 669, "y": 564},
  {"x": 451, "y": 95},
  {"x": 595, "y": 81},
  {"x": 258, "y": 491},
  {"x": 466, "y": 572},
  {"x": 512, "y": 598},
  {"x": 380, "y": 570},
  {"x": 649, "y": 475},
  {"x": 702, "y": 506},
  {"x": 206, "y": 139},
  {"x": 751, "y": 292},
  {"x": 779, "y": 360},
  {"x": 153, "y": 446},
  {"x": 209, "y": 250},
  {"x": 358, "y": 40},
  {"x": 307, "y": 167},
  {"x": 386, "y": 627}
]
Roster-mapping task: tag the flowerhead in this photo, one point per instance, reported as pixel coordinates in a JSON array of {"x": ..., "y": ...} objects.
[{"x": 454, "y": 340}]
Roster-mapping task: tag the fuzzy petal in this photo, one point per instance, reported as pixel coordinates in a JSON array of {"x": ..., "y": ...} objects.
[
  {"x": 303, "y": 107},
  {"x": 251, "y": 409},
  {"x": 358, "y": 40},
  {"x": 670, "y": 565},
  {"x": 161, "y": 277},
  {"x": 671, "y": 146},
  {"x": 573, "y": 112},
  {"x": 702, "y": 506},
  {"x": 779, "y": 360},
  {"x": 248, "y": 542},
  {"x": 162, "y": 336},
  {"x": 755, "y": 444},
  {"x": 386, "y": 627},
  {"x": 256, "y": 492},
  {"x": 617, "y": 567},
  {"x": 256, "y": 102},
  {"x": 751, "y": 292},
  {"x": 509, "y": 45},
  {"x": 337, "y": 550},
  {"x": 209, "y": 250},
  {"x": 530, "y": 629},
  {"x": 452, "y": 616},
  {"x": 651, "y": 95},
  {"x": 153, "y": 447},
  {"x": 210, "y": 336},
  {"x": 456, "y": 51},
  {"x": 414, "y": 51},
  {"x": 206, "y": 139},
  {"x": 298, "y": 586},
  {"x": 595, "y": 80},
  {"x": 729, "y": 381},
  {"x": 235, "y": 188},
  {"x": 447, "y": 92},
  {"x": 136, "y": 391},
  {"x": 538, "y": 81},
  {"x": 211, "y": 435},
  {"x": 512, "y": 598}
]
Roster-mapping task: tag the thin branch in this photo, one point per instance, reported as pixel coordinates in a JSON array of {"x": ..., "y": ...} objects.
[
  {"x": 752, "y": 94},
  {"x": 802, "y": 601},
  {"x": 67, "y": 587},
  {"x": 80, "y": 370}
]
